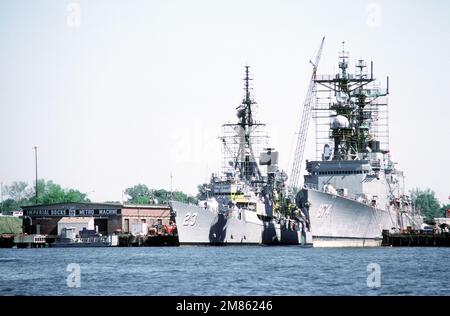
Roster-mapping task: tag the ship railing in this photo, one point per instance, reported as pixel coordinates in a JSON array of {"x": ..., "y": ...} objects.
[
  {"x": 93, "y": 239},
  {"x": 326, "y": 77},
  {"x": 311, "y": 186},
  {"x": 375, "y": 164},
  {"x": 335, "y": 77}
]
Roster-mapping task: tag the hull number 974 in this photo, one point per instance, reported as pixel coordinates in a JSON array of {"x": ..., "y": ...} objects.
[{"x": 324, "y": 210}]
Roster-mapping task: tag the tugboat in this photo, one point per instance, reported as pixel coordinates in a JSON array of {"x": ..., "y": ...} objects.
[{"x": 248, "y": 202}]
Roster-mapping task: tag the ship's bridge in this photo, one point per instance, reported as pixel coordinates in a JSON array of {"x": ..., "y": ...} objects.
[{"x": 354, "y": 179}]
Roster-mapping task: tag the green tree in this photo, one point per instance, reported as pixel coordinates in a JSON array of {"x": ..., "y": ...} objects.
[
  {"x": 183, "y": 197},
  {"x": 19, "y": 191},
  {"x": 10, "y": 205},
  {"x": 427, "y": 203},
  {"x": 161, "y": 196},
  {"x": 21, "y": 194},
  {"x": 139, "y": 194},
  {"x": 18, "y": 194},
  {"x": 50, "y": 192}
]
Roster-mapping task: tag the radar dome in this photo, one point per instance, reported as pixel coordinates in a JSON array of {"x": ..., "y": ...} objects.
[
  {"x": 342, "y": 97},
  {"x": 340, "y": 122}
]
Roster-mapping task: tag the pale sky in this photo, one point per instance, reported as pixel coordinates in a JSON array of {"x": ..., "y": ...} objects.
[{"x": 117, "y": 93}]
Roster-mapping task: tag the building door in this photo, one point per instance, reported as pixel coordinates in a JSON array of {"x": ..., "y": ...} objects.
[
  {"x": 102, "y": 224},
  {"x": 126, "y": 225}
]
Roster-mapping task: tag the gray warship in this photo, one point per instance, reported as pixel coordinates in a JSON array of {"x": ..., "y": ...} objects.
[
  {"x": 353, "y": 191},
  {"x": 247, "y": 203}
]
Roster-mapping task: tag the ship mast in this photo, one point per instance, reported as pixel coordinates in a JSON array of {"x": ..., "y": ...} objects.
[
  {"x": 242, "y": 140},
  {"x": 246, "y": 162},
  {"x": 248, "y": 101},
  {"x": 351, "y": 123}
]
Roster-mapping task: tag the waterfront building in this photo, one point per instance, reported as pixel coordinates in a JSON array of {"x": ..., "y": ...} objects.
[{"x": 105, "y": 218}]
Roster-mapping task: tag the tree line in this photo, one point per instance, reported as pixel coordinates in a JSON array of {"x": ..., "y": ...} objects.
[
  {"x": 141, "y": 194},
  {"x": 426, "y": 202},
  {"x": 20, "y": 193}
]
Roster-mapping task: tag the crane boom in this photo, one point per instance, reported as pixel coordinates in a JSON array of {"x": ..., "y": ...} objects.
[{"x": 304, "y": 123}]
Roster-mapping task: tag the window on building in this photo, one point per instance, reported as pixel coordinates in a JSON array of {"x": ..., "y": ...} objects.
[
  {"x": 143, "y": 221},
  {"x": 126, "y": 225}
]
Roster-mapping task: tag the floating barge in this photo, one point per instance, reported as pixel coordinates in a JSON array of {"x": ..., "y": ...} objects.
[
  {"x": 30, "y": 241},
  {"x": 415, "y": 239}
]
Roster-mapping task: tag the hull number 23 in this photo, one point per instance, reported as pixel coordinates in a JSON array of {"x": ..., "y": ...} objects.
[{"x": 190, "y": 219}]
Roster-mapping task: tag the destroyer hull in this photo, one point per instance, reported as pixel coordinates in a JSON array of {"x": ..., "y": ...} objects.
[
  {"x": 340, "y": 222},
  {"x": 199, "y": 226}
]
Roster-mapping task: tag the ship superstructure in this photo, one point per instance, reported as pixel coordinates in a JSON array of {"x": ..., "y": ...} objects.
[
  {"x": 353, "y": 190},
  {"x": 247, "y": 203}
]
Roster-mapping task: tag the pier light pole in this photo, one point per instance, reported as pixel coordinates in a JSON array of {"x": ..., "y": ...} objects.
[{"x": 35, "y": 148}]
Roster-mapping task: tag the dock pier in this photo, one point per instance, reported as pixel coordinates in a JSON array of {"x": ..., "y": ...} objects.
[
  {"x": 148, "y": 241},
  {"x": 415, "y": 239}
]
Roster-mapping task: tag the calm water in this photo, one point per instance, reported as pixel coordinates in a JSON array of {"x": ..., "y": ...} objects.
[{"x": 224, "y": 271}]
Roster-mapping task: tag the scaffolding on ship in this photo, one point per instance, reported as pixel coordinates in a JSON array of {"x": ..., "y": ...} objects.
[{"x": 375, "y": 112}]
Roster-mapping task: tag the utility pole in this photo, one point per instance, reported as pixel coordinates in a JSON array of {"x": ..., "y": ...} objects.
[{"x": 36, "y": 165}]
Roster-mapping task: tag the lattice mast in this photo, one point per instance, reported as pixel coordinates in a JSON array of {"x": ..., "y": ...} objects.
[
  {"x": 243, "y": 141},
  {"x": 358, "y": 121}
]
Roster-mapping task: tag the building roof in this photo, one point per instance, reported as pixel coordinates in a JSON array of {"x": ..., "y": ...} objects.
[
  {"x": 82, "y": 205},
  {"x": 147, "y": 212},
  {"x": 93, "y": 205},
  {"x": 75, "y": 220},
  {"x": 147, "y": 206}
]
